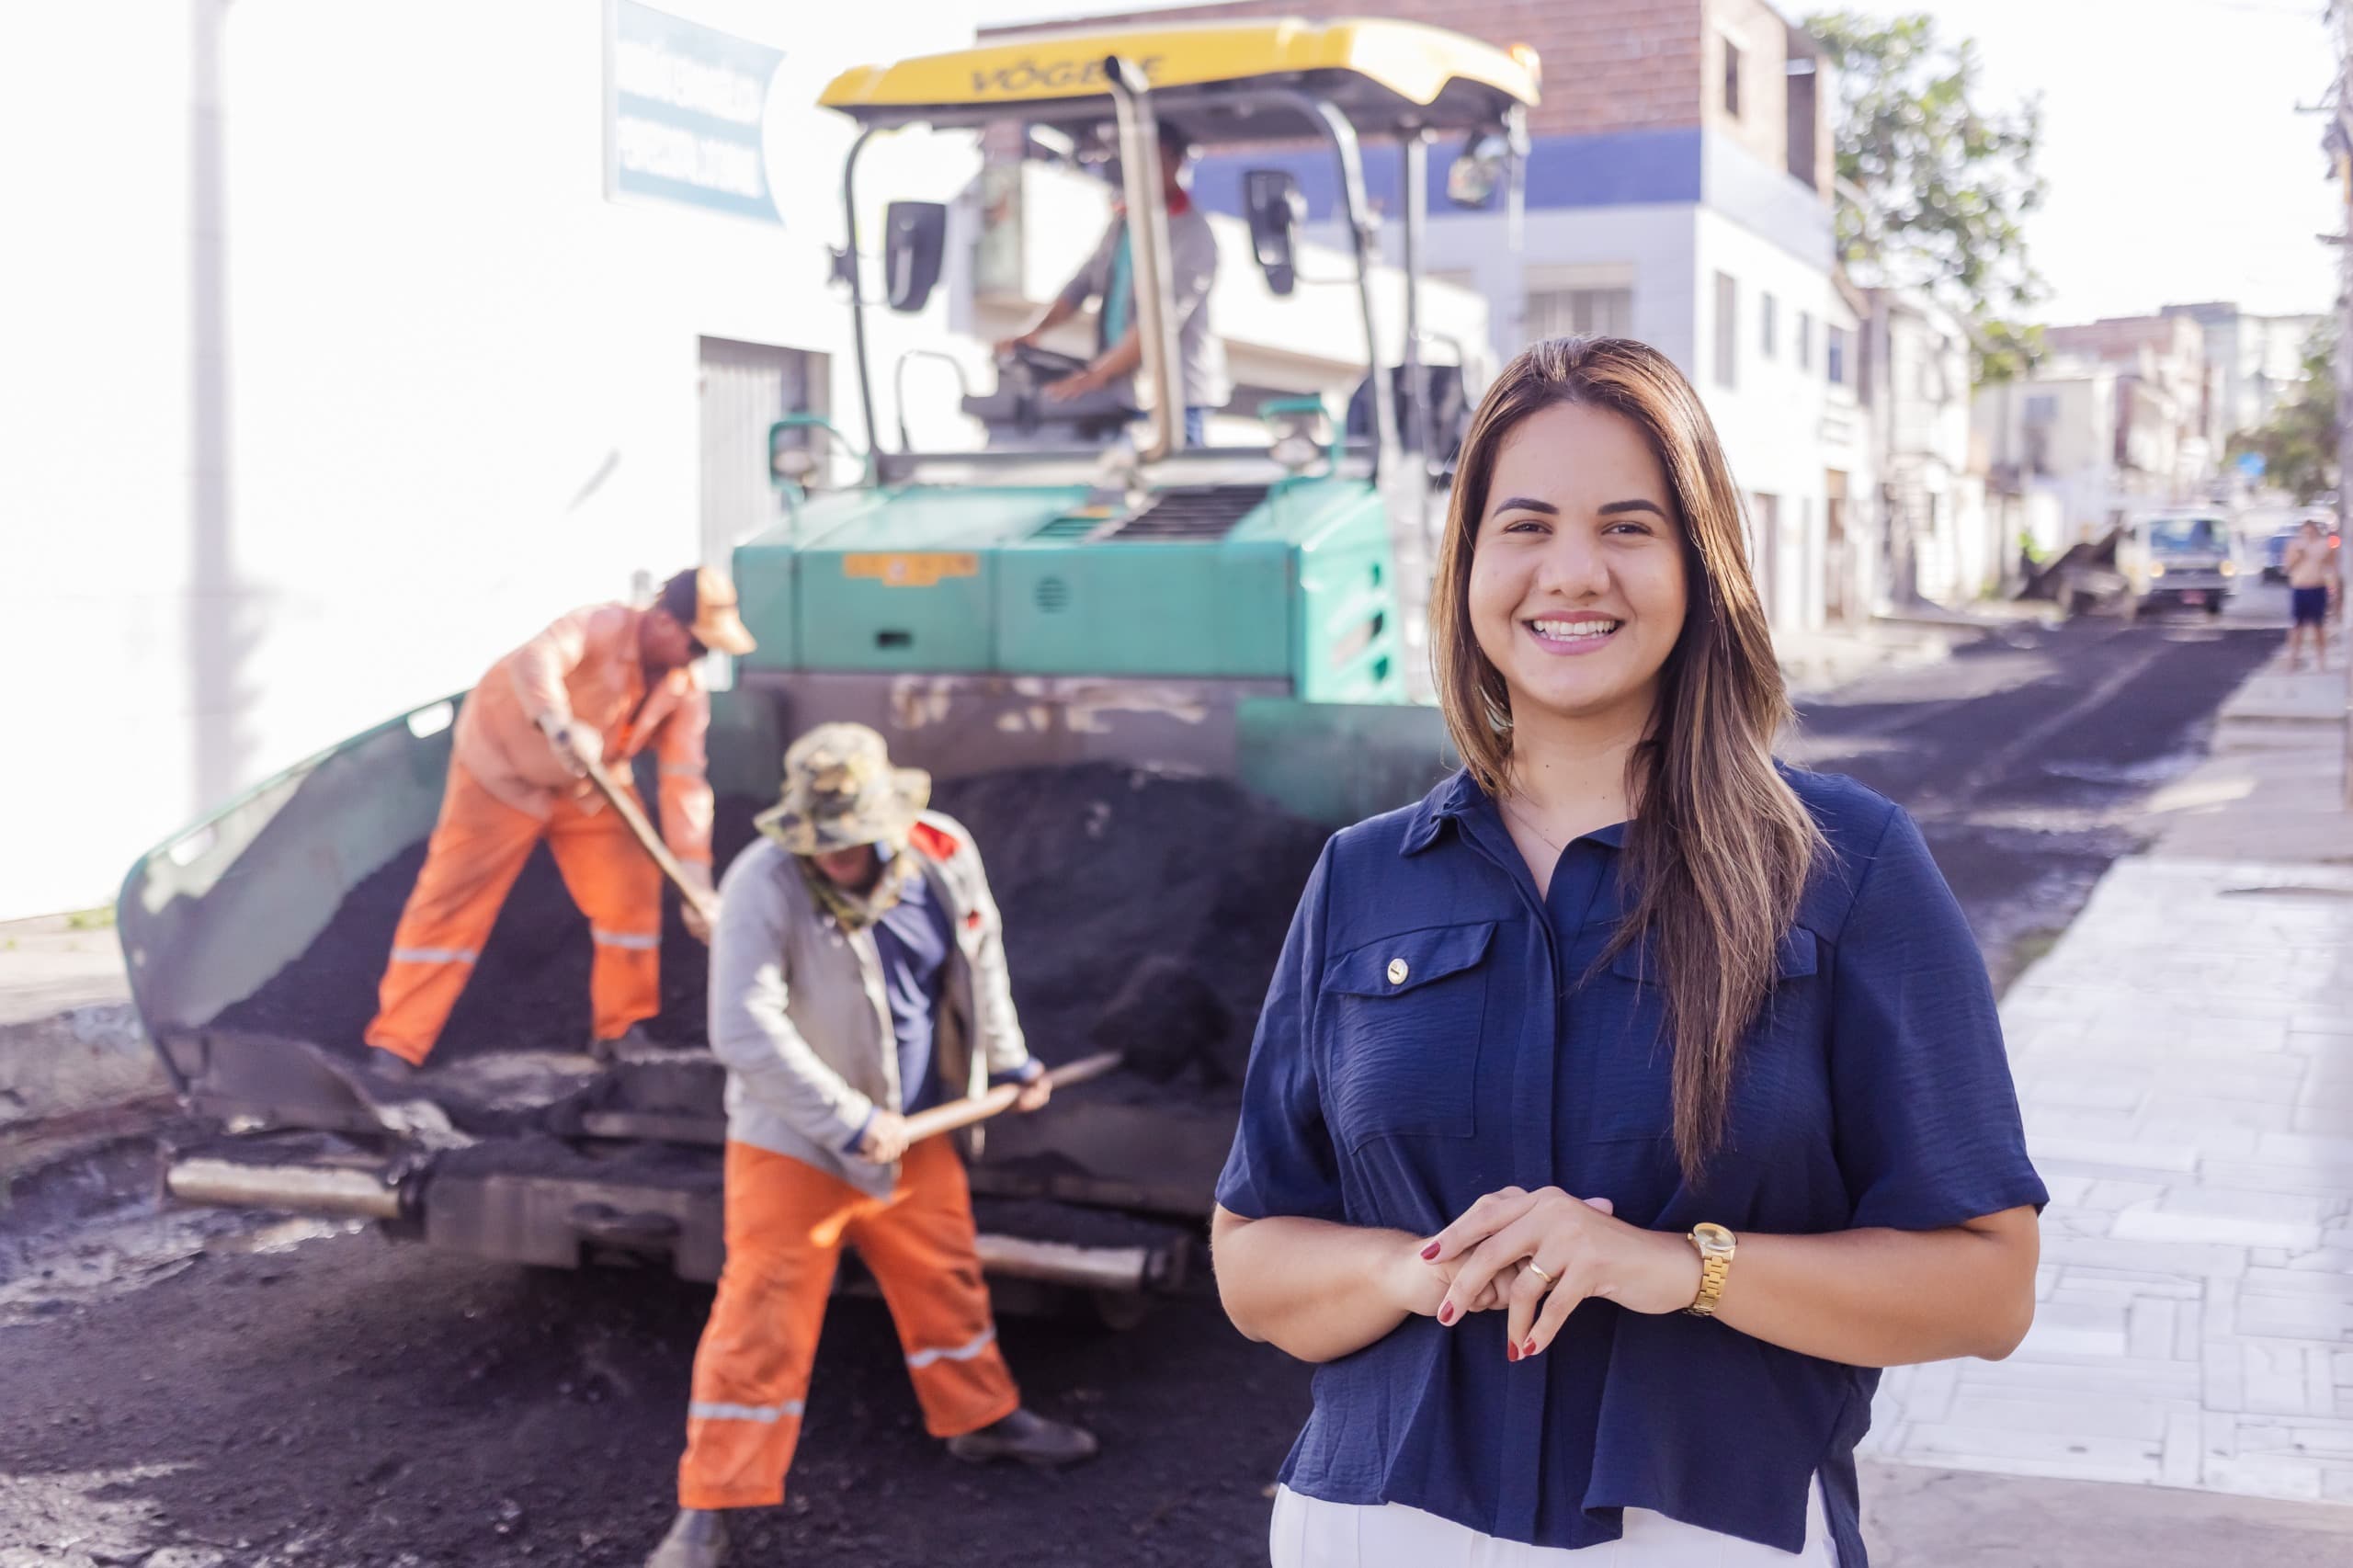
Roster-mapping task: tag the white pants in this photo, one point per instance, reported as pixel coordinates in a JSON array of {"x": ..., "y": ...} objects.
[{"x": 1310, "y": 1533}]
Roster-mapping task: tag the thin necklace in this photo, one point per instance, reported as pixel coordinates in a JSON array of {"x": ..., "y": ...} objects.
[{"x": 1529, "y": 826}]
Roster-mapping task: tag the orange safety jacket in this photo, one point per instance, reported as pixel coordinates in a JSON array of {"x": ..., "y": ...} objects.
[{"x": 586, "y": 667}]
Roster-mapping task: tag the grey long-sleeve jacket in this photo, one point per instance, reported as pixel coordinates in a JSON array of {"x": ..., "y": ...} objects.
[{"x": 799, "y": 1019}]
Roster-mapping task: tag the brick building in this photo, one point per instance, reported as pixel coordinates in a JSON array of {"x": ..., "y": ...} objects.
[{"x": 1679, "y": 191}]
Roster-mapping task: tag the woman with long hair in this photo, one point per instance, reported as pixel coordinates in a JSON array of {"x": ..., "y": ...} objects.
[{"x": 1620, "y": 1108}]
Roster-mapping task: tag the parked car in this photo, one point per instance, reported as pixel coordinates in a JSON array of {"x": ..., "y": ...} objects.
[
  {"x": 2275, "y": 549},
  {"x": 2275, "y": 555}
]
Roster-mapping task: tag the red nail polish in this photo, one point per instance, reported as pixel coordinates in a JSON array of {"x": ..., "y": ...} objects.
[
  {"x": 1511, "y": 1352},
  {"x": 1446, "y": 1313},
  {"x": 1528, "y": 1348},
  {"x": 1430, "y": 1251}
]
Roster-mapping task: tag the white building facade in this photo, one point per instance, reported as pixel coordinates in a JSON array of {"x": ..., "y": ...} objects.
[{"x": 358, "y": 341}]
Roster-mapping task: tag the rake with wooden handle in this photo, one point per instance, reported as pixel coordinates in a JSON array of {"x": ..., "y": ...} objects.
[{"x": 625, "y": 806}]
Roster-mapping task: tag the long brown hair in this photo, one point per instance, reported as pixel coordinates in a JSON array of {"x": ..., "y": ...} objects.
[{"x": 1720, "y": 847}]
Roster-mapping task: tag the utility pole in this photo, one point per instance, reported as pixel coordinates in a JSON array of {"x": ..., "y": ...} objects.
[{"x": 2338, "y": 142}]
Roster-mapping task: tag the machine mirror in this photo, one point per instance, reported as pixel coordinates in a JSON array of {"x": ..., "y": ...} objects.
[
  {"x": 914, "y": 244},
  {"x": 1471, "y": 178},
  {"x": 1277, "y": 209}
]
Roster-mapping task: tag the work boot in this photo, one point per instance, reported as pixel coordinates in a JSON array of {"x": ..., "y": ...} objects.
[
  {"x": 631, "y": 1041},
  {"x": 386, "y": 1075},
  {"x": 697, "y": 1540},
  {"x": 1032, "y": 1439}
]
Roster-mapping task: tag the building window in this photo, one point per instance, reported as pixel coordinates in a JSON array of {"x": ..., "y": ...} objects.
[
  {"x": 1580, "y": 312},
  {"x": 1768, "y": 324},
  {"x": 1727, "y": 331},
  {"x": 1833, "y": 354},
  {"x": 2042, "y": 408},
  {"x": 1805, "y": 341},
  {"x": 1732, "y": 78}
]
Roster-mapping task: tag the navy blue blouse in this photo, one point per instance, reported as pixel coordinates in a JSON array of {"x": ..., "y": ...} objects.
[{"x": 1435, "y": 1031}]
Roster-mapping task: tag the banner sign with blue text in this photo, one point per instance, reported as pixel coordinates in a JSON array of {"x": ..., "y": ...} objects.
[{"x": 687, "y": 107}]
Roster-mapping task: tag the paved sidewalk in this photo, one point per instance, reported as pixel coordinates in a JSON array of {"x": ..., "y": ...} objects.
[
  {"x": 69, "y": 1039},
  {"x": 2185, "y": 1058}
]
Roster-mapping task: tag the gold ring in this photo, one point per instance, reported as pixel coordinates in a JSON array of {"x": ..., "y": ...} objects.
[{"x": 1548, "y": 1278}]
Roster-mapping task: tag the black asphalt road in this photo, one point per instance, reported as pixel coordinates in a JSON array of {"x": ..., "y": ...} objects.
[
  {"x": 2027, "y": 757},
  {"x": 179, "y": 1397}
]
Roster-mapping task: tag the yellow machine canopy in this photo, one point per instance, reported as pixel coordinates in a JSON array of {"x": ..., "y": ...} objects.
[{"x": 1387, "y": 77}]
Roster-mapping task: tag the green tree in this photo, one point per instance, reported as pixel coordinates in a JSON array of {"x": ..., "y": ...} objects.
[
  {"x": 2298, "y": 443},
  {"x": 1933, "y": 188}
]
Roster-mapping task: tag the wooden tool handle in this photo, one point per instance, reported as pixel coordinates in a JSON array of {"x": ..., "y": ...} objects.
[
  {"x": 979, "y": 1108},
  {"x": 625, "y": 806}
]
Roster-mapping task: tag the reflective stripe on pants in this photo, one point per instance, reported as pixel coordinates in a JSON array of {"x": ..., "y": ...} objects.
[
  {"x": 786, "y": 1224},
  {"x": 478, "y": 849}
]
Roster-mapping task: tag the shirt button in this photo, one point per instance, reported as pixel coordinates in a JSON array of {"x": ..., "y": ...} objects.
[{"x": 1397, "y": 972}]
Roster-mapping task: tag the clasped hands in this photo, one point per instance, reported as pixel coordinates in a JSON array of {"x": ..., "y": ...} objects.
[{"x": 1535, "y": 1255}]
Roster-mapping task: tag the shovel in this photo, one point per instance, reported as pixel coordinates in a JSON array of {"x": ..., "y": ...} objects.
[
  {"x": 625, "y": 806},
  {"x": 979, "y": 1108}
]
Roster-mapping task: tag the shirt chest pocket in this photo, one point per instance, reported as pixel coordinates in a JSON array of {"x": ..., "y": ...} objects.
[
  {"x": 1402, "y": 1019},
  {"x": 1633, "y": 1082}
]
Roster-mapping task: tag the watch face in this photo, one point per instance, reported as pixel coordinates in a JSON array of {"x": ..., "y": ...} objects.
[{"x": 1712, "y": 1238}]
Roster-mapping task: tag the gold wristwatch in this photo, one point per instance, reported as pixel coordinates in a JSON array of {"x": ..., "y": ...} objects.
[{"x": 1716, "y": 1246}]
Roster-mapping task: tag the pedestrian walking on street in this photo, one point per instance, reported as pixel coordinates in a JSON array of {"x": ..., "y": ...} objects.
[
  {"x": 858, "y": 976},
  {"x": 2314, "y": 589},
  {"x": 1618, "y": 1109},
  {"x": 601, "y": 685}
]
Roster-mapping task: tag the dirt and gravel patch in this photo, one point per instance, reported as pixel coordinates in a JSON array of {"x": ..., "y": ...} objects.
[
  {"x": 355, "y": 1402},
  {"x": 1147, "y": 866}
]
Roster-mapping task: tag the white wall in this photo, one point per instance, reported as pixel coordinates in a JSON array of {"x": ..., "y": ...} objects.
[
  {"x": 460, "y": 382},
  {"x": 1771, "y": 420}
]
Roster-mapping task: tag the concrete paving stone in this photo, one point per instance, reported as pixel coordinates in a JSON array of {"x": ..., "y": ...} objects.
[
  {"x": 2277, "y": 1379},
  {"x": 2337, "y": 1485},
  {"x": 2092, "y": 1089},
  {"x": 2116, "y": 1195},
  {"x": 2265, "y": 1475},
  {"x": 2148, "y": 1223},
  {"x": 2077, "y": 1222},
  {"x": 2035, "y": 1374},
  {"x": 2280, "y": 1080},
  {"x": 2198, "y": 1259},
  {"x": 2024, "y": 1452},
  {"x": 2085, "y": 1282},
  {"x": 2148, "y": 1327},
  {"x": 2069, "y": 1191},
  {"x": 2076, "y": 1328},
  {"x": 2113, "y": 1418},
  {"x": 2287, "y": 1178},
  {"x": 2283, "y": 1280},
  {"x": 2223, "y": 1367},
  {"x": 2046, "y": 1280},
  {"x": 2247, "y": 1203},
  {"x": 2294, "y": 1317},
  {"x": 2180, "y": 1460},
  {"x": 2313, "y": 1151},
  {"x": 2320, "y": 1389},
  {"x": 2124, "y": 1157},
  {"x": 2257, "y": 1116},
  {"x": 2190, "y": 1331}
]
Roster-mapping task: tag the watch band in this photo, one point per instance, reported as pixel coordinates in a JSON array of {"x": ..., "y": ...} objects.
[{"x": 1715, "y": 1245}]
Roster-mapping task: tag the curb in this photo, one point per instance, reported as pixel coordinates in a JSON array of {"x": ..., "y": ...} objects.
[{"x": 80, "y": 1059}]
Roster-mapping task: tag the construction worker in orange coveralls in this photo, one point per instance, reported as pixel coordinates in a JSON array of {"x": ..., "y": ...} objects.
[
  {"x": 857, "y": 977},
  {"x": 602, "y": 683}
]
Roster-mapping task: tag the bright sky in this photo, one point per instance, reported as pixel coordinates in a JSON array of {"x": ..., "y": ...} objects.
[{"x": 2179, "y": 169}]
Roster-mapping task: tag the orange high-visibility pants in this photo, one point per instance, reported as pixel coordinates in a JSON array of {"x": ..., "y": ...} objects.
[
  {"x": 786, "y": 1223},
  {"x": 477, "y": 850}
]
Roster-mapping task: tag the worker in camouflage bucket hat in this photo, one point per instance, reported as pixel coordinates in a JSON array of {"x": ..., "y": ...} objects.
[{"x": 853, "y": 892}]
